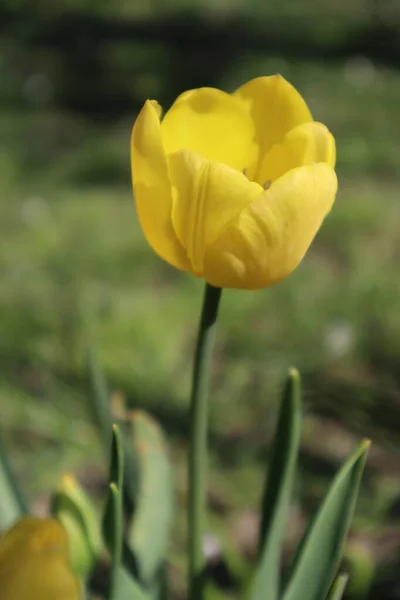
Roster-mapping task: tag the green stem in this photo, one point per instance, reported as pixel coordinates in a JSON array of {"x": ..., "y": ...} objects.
[{"x": 198, "y": 439}]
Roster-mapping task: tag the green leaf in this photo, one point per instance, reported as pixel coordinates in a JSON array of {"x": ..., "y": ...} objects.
[
  {"x": 149, "y": 532},
  {"x": 113, "y": 514},
  {"x": 277, "y": 491},
  {"x": 99, "y": 396},
  {"x": 73, "y": 508},
  {"x": 113, "y": 535},
  {"x": 338, "y": 588},
  {"x": 122, "y": 585},
  {"x": 12, "y": 503},
  {"x": 320, "y": 551},
  {"x": 116, "y": 474},
  {"x": 127, "y": 588}
]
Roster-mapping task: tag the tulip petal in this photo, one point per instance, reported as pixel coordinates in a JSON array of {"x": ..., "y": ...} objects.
[
  {"x": 268, "y": 240},
  {"x": 305, "y": 144},
  {"x": 212, "y": 123},
  {"x": 34, "y": 562},
  {"x": 152, "y": 186},
  {"x": 207, "y": 196},
  {"x": 275, "y": 107}
]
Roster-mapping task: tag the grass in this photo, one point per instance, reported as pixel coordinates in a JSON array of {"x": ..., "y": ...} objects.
[{"x": 75, "y": 269}]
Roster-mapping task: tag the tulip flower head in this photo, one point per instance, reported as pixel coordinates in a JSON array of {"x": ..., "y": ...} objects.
[
  {"x": 233, "y": 187},
  {"x": 34, "y": 562}
]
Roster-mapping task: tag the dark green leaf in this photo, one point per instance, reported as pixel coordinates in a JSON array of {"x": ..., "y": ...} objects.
[
  {"x": 113, "y": 535},
  {"x": 278, "y": 487},
  {"x": 320, "y": 551},
  {"x": 99, "y": 396},
  {"x": 116, "y": 474},
  {"x": 113, "y": 514}
]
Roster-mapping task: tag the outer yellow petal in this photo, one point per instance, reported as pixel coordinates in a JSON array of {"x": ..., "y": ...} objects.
[
  {"x": 152, "y": 186},
  {"x": 214, "y": 124},
  {"x": 34, "y": 562},
  {"x": 269, "y": 238},
  {"x": 276, "y": 107},
  {"x": 207, "y": 196},
  {"x": 303, "y": 145}
]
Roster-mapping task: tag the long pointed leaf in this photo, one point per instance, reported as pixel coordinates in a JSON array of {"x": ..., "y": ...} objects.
[
  {"x": 321, "y": 548},
  {"x": 99, "y": 396},
  {"x": 12, "y": 503},
  {"x": 113, "y": 534},
  {"x": 113, "y": 514},
  {"x": 116, "y": 474},
  {"x": 277, "y": 491}
]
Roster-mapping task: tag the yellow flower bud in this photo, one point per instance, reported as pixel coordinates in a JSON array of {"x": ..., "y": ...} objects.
[
  {"x": 34, "y": 562},
  {"x": 233, "y": 187}
]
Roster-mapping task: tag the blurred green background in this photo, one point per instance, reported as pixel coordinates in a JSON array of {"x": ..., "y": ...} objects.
[{"x": 76, "y": 270}]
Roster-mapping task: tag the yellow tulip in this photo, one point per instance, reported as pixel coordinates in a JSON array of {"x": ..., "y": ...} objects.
[
  {"x": 34, "y": 562},
  {"x": 233, "y": 187}
]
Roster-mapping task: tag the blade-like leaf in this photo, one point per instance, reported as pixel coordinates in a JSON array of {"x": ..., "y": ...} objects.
[
  {"x": 113, "y": 535},
  {"x": 99, "y": 396},
  {"x": 320, "y": 551},
  {"x": 277, "y": 491},
  {"x": 113, "y": 514},
  {"x": 12, "y": 503},
  {"x": 149, "y": 532},
  {"x": 338, "y": 588},
  {"x": 122, "y": 585},
  {"x": 116, "y": 474}
]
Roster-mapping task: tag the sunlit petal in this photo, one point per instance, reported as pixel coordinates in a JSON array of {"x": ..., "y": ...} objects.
[
  {"x": 276, "y": 107},
  {"x": 152, "y": 186},
  {"x": 212, "y": 123},
  {"x": 268, "y": 239},
  {"x": 303, "y": 145},
  {"x": 207, "y": 196}
]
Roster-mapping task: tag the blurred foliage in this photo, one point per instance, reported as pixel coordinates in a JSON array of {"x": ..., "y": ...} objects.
[{"x": 75, "y": 268}]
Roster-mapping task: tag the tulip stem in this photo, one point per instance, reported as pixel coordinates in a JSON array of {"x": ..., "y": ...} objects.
[{"x": 198, "y": 439}]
